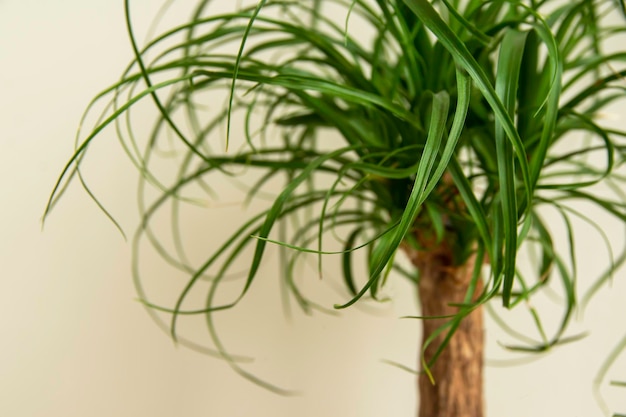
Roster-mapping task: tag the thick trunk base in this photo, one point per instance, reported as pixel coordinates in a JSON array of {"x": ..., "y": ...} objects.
[{"x": 458, "y": 371}]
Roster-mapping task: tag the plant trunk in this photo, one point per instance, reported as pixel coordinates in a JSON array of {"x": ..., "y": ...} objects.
[{"x": 457, "y": 372}]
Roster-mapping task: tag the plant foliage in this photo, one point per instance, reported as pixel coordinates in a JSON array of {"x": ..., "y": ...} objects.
[{"x": 461, "y": 120}]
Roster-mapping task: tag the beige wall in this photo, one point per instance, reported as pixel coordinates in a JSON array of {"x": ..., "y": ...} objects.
[{"x": 74, "y": 342}]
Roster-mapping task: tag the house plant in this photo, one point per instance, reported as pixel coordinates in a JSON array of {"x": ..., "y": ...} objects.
[{"x": 454, "y": 126}]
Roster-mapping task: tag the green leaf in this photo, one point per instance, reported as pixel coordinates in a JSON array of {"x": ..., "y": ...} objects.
[{"x": 507, "y": 80}]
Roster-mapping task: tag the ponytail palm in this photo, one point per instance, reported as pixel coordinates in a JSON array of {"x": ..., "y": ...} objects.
[{"x": 439, "y": 130}]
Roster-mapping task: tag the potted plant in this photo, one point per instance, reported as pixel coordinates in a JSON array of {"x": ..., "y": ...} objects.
[{"x": 439, "y": 135}]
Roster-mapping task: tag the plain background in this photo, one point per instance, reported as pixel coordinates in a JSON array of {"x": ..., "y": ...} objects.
[{"x": 73, "y": 340}]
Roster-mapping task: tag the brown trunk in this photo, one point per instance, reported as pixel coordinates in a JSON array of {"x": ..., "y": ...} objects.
[{"x": 458, "y": 388}]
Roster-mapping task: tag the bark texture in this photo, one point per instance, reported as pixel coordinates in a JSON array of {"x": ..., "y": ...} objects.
[{"x": 458, "y": 371}]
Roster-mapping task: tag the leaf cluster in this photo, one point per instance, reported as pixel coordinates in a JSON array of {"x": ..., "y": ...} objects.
[{"x": 460, "y": 120}]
